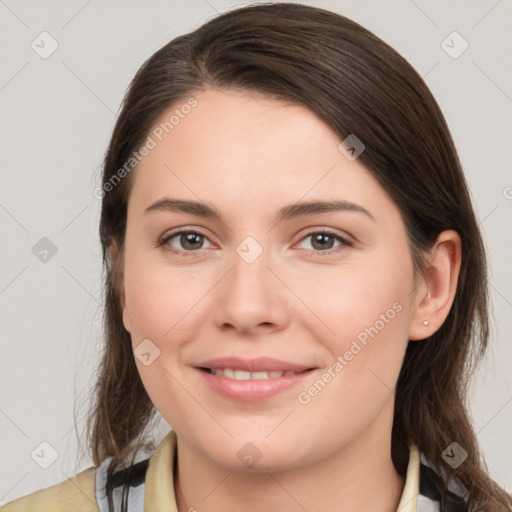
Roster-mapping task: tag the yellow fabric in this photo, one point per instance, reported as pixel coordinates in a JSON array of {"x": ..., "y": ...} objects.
[
  {"x": 77, "y": 493},
  {"x": 412, "y": 482},
  {"x": 159, "y": 491}
]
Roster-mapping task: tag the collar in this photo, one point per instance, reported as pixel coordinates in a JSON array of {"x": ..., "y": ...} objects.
[
  {"x": 408, "y": 501},
  {"x": 148, "y": 485},
  {"x": 159, "y": 493}
]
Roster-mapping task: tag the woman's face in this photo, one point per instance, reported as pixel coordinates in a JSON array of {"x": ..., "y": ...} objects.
[{"x": 259, "y": 280}]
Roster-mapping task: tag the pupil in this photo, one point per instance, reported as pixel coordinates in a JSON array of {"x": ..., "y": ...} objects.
[
  {"x": 189, "y": 239},
  {"x": 322, "y": 237}
]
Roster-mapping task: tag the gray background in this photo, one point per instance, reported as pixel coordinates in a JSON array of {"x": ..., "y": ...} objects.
[{"x": 57, "y": 115}]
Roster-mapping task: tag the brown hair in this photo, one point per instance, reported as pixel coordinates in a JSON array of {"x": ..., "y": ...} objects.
[{"x": 358, "y": 85}]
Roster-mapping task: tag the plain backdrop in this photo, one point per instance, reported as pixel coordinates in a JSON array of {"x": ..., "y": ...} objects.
[{"x": 57, "y": 114}]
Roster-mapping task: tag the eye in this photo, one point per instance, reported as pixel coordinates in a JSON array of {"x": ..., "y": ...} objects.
[
  {"x": 183, "y": 242},
  {"x": 323, "y": 242},
  {"x": 186, "y": 243}
]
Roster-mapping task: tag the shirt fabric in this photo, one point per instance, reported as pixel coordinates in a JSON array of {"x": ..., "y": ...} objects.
[{"x": 147, "y": 486}]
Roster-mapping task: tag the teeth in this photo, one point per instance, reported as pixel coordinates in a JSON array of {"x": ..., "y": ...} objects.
[
  {"x": 245, "y": 375},
  {"x": 259, "y": 375},
  {"x": 229, "y": 373},
  {"x": 242, "y": 375}
]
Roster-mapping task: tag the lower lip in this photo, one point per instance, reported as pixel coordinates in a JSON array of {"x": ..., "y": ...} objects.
[{"x": 252, "y": 390}]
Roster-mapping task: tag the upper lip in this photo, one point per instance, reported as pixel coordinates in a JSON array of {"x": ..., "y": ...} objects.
[{"x": 261, "y": 364}]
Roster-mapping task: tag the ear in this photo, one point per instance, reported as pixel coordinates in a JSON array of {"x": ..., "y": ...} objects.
[
  {"x": 434, "y": 296},
  {"x": 117, "y": 259}
]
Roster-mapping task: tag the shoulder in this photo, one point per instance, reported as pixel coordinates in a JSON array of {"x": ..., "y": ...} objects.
[{"x": 75, "y": 493}]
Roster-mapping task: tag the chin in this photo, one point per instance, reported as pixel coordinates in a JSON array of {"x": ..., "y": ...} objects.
[
  {"x": 259, "y": 455},
  {"x": 261, "y": 463}
]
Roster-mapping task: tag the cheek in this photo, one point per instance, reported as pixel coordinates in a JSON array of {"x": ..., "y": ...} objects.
[
  {"x": 367, "y": 307},
  {"x": 356, "y": 299},
  {"x": 160, "y": 304},
  {"x": 159, "y": 300},
  {"x": 369, "y": 315}
]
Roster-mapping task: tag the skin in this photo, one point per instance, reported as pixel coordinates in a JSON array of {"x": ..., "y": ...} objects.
[{"x": 248, "y": 156}]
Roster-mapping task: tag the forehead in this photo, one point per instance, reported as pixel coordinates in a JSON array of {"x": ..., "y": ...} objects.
[
  {"x": 242, "y": 129},
  {"x": 235, "y": 147}
]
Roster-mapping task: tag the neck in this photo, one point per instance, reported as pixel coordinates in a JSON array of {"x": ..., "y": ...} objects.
[{"x": 357, "y": 477}]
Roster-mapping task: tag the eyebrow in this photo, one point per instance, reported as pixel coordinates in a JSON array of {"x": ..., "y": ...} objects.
[{"x": 285, "y": 213}]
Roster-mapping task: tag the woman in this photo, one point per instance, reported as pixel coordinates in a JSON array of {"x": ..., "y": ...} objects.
[{"x": 295, "y": 281}]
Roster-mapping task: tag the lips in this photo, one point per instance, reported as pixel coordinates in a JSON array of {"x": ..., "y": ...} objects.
[{"x": 251, "y": 380}]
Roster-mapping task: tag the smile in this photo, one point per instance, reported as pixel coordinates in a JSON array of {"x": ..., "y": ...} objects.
[
  {"x": 252, "y": 386},
  {"x": 235, "y": 374}
]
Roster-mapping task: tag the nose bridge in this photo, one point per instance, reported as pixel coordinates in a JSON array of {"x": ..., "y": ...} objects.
[
  {"x": 251, "y": 293},
  {"x": 249, "y": 280}
]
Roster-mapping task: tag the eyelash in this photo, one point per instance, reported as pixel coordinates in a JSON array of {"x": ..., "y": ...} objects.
[{"x": 345, "y": 242}]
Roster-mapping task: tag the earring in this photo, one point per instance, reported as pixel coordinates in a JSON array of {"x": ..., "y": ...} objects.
[{"x": 425, "y": 322}]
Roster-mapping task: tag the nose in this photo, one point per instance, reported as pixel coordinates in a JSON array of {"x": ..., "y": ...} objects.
[{"x": 252, "y": 299}]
